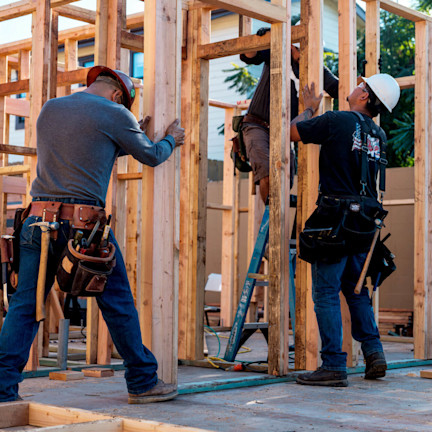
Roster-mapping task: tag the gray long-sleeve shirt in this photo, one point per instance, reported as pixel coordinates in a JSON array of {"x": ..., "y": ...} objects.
[{"x": 79, "y": 138}]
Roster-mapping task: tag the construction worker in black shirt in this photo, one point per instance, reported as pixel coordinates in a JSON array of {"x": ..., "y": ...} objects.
[
  {"x": 340, "y": 231},
  {"x": 256, "y": 123}
]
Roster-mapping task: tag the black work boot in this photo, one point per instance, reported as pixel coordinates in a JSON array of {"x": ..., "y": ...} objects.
[
  {"x": 324, "y": 377},
  {"x": 375, "y": 365}
]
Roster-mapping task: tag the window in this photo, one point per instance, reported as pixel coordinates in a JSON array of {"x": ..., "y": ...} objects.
[
  {"x": 86, "y": 61},
  {"x": 137, "y": 66}
]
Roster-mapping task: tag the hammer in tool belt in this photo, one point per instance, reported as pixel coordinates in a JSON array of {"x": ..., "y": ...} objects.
[
  {"x": 46, "y": 228},
  {"x": 358, "y": 288},
  {"x": 6, "y": 259}
]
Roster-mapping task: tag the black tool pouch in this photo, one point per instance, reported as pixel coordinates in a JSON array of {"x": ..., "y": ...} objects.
[
  {"x": 321, "y": 237},
  {"x": 382, "y": 264},
  {"x": 359, "y": 226},
  {"x": 340, "y": 227},
  {"x": 84, "y": 275}
]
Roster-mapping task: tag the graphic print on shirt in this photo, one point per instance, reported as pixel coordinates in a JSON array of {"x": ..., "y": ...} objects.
[{"x": 373, "y": 144}]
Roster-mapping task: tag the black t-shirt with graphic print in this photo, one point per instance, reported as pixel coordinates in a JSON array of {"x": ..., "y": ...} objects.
[{"x": 339, "y": 133}]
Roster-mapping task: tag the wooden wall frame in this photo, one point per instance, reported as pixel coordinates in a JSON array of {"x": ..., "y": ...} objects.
[{"x": 167, "y": 262}]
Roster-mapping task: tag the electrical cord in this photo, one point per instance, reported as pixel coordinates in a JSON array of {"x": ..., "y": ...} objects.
[{"x": 243, "y": 349}]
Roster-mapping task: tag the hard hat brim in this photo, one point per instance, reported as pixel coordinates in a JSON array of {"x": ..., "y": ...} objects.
[
  {"x": 376, "y": 92},
  {"x": 95, "y": 71}
]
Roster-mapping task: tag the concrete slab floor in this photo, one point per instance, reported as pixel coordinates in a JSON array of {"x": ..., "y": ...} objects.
[{"x": 400, "y": 402}]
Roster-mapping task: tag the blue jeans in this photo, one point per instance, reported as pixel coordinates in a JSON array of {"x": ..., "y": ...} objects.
[
  {"x": 116, "y": 303},
  {"x": 327, "y": 281}
]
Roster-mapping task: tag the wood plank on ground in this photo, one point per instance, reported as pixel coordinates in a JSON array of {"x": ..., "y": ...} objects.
[{"x": 66, "y": 375}]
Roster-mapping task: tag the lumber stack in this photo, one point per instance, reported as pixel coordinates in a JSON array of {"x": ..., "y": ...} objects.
[{"x": 399, "y": 321}]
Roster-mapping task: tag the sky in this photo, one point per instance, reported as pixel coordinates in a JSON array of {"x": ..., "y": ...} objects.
[{"x": 20, "y": 28}]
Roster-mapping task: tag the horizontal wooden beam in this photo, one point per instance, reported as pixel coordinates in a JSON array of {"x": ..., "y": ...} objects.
[
  {"x": 77, "y": 13},
  {"x": 76, "y": 33},
  {"x": 258, "y": 9},
  {"x": 129, "y": 176},
  {"x": 406, "y": 82},
  {"x": 14, "y": 169},
  {"x": 66, "y": 78},
  {"x": 17, "y": 150},
  {"x": 15, "y": 87},
  {"x": 213, "y": 206},
  {"x": 17, "y": 107},
  {"x": 78, "y": 76},
  {"x": 230, "y": 47},
  {"x": 219, "y": 104},
  {"x": 398, "y": 202},
  {"x": 244, "y": 44},
  {"x": 132, "y": 41},
  {"x": 298, "y": 33},
  {"x": 402, "y": 11},
  {"x": 25, "y": 7}
]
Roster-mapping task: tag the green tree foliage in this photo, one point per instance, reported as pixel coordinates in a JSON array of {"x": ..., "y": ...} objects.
[
  {"x": 241, "y": 79},
  {"x": 425, "y": 5}
]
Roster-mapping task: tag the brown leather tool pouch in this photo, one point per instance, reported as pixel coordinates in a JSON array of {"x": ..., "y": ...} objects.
[{"x": 84, "y": 275}]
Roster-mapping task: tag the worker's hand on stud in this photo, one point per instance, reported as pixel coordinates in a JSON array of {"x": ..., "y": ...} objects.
[
  {"x": 310, "y": 99},
  {"x": 177, "y": 132},
  {"x": 144, "y": 124}
]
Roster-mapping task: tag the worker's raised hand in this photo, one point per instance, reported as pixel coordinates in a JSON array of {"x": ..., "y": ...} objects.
[
  {"x": 310, "y": 98},
  {"x": 144, "y": 123},
  {"x": 177, "y": 132},
  {"x": 263, "y": 30}
]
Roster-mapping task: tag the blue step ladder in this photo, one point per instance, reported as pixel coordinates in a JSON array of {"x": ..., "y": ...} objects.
[{"x": 240, "y": 331}]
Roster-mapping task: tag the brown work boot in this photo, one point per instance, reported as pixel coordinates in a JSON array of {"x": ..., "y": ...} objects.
[
  {"x": 376, "y": 365},
  {"x": 159, "y": 393},
  {"x": 324, "y": 377}
]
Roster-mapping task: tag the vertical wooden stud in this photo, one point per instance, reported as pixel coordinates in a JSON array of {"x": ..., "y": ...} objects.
[
  {"x": 306, "y": 332},
  {"x": 228, "y": 199},
  {"x": 347, "y": 82},
  {"x": 193, "y": 191},
  {"x": 162, "y": 46},
  {"x": 279, "y": 206},
  {"x": 422, "y": 185},
  {"x": 71, "y": 58}
]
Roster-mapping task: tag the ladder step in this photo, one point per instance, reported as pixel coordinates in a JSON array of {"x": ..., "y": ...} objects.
[{"x": 255, "y": 326}]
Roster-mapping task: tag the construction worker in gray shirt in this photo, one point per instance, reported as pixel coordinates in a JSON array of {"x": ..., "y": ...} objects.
[{"x": 79, "y": 137}]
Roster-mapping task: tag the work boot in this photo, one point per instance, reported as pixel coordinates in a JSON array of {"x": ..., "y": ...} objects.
[
  {"x": 375, "y": 365},
  {"x": 159, "y": 393},
  {"x": 324, "y": 377}
]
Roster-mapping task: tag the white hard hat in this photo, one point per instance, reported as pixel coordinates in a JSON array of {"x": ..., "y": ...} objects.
[{"x": 386, "y": 89}]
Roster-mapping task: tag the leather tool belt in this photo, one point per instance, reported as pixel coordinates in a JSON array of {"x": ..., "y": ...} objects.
[
  {"x": 250, "y": 118},
  {"x": 81, "y": 216}
]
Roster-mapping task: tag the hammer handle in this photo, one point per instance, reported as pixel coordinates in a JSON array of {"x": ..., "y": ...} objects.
[
  {"x": 40, "y": 290},
  {"x": 362, "y": 277},
  {"x": 4, "y": 250}
]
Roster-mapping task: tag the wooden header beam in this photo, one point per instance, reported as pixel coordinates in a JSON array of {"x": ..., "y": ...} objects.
[
  {"x": 63, "y": 79},
  {"x": 258, "y": 9},
  {"x": 406, "y": 82},
  {"x": 244, "y": 44},
  {"x": 17, "y": 150},
  {"x": 77, "y": 13},
  {"x": 25, "y": 7},
  {"x": 402, "y": 11},
  {"x": 76, "y": 33}
]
